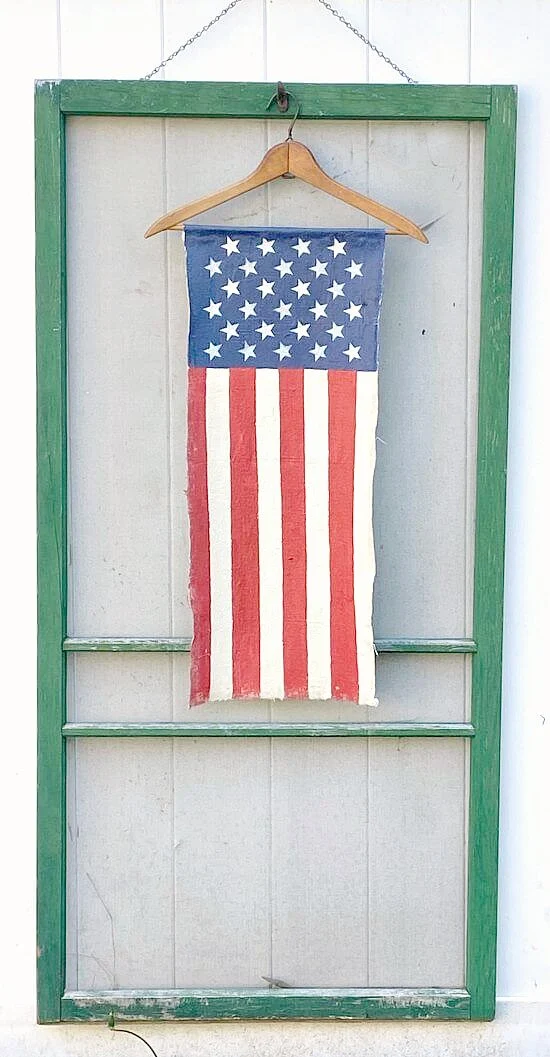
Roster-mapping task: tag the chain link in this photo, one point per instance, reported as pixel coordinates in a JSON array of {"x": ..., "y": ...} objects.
[
  {"x": 192, "y": 39},
  {"x": 348, "y": 25},
  {"x": 324, "y": 3}
]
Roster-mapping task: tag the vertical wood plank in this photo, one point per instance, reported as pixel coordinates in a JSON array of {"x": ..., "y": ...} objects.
[
  {"x": 117, "y": 380},
  {"x": 109, "y": 40},
  {"x": 314, "y": 45},
  {"x": 524, "y": 879},
  {"x": 416, "y": 863},
  {"x": 222, "y": 864},
  {"x": 124, "y": 866},
  {"x": 51, "y": 537},
  {"x": 420, "y": 492},
  {"x": 319, "y": 863},
  {"x": 431, "y": 44},
  {"x": 232, "y": 44},
  {"x": 489, "y": 577}
]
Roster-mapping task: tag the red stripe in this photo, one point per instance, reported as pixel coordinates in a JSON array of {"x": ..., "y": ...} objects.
[
  {"x": 244, "y": 533},
  {"x": 341, "y": 412},
  {"x": 197, "y": 498},
  {"x": 293, "y": 500}
]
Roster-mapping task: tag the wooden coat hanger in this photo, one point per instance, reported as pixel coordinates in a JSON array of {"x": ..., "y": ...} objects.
[{"x": 289, "y": 158}]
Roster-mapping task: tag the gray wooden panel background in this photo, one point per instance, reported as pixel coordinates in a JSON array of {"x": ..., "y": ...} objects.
[{"x": 215, "y": 863}]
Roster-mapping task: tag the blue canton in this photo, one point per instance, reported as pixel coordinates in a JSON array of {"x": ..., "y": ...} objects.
[{"x": 284, "y": 297}]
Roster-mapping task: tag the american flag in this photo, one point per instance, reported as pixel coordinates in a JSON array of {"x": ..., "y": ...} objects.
[{"x": 282, "y": 407}]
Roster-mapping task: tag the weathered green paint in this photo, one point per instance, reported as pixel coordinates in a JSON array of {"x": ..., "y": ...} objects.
[
  {"x": 495, "y": 106},
  {"x": 268, "y": 730},
  {"x": 235, "y": 99},
  {"x": 51, "y": 472},
  {"x": 183, "y": 645},
  {"x": 289, "y": 1004},
  {"x": 128, "y": 645},
  {"x": 489, "y": 563},
  {"x": 425, "y": 646}
]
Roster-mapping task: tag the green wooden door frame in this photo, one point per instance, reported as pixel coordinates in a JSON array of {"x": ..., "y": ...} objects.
[{"x": 496, "y": 107}]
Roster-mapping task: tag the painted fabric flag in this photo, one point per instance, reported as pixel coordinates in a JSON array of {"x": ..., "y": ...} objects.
[{"x": 282, "y": 409}]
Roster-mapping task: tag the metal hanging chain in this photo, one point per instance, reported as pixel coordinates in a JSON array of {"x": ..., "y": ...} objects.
[
  {"x": 377, "y": 51},
  {"x": 324, "y": 3},
  {"x": 192, "y": 39}
]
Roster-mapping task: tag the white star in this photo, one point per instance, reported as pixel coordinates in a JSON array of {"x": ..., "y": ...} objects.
[
  {"x": 213, "y": 308},
  {"x": 337, "y": 289},
  {"x": 231, "y": 330},
  {"x": 338, "y": 247},
  {"x": 301, "y": 330},
  {"x": 352, "y": 352},
  {"x": 230, "y": 287},
  {"x": 318, "y": 352},
  {"x": 354, "y": 269},
  {"x": 318, "y": 310},
  {"x": 320, "y": 267},
  {"x": 266, "y": 246},
  {"x": 336, "y": 331},
  {"x": 302, "y": 289},
  {"x": 213, "y": 351},
  {"x": 354, "y": 311},
  {"x": 283, "y": 352},
  {"x": 301, "y": 247},
  {"x": 284, "y": 309},
  {"x": 248, "y": 267},
  {"x": 265, "y": 329},
  {"x": 231, "y": 246},
  {"x": 248, "y": 309},
  {"x": 248, "y": 351},
  {"x": 284, "y": 268},
  {"x": 265, "y": 288},
  {"x": 212, "y": 267}
]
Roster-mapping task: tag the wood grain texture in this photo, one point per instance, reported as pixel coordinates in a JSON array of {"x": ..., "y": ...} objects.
[
  {"x": 183, "y": 645},
  {"x": 235, "y": 99},
  {"x": 429, "y": 1003},
  {"x": 270, "y": 730},
  {"x": 51, "y": 541},
  {"x": 489, "y": 575},
  {"x": 449, "y": 1002}
]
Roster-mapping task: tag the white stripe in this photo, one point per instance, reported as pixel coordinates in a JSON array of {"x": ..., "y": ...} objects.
[
  {"x": 317, "y": 534},
  {"x": 268, "y": 425},
  {"x": 219, "y": 510},
  {"x": 363, "y": 541}
]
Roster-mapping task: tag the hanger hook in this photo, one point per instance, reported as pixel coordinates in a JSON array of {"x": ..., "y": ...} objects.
[{"x": 294, "y": 120}]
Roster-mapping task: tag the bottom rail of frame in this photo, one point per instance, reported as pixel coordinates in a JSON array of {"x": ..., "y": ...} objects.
[{"x": 428, "y": 1003}]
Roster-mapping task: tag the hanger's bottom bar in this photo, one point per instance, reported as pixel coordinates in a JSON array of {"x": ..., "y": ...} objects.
[{"x": 277, "y": 1004}]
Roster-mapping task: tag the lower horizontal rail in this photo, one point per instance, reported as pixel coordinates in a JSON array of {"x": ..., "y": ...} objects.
[
  {"x": 280, "y": 1004},
  {"x": 268, "y": 730},
  {"x": 183, "y": 645}
]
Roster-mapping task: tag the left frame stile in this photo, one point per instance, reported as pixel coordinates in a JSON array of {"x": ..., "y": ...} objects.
[{"x": 51, "y": 544}]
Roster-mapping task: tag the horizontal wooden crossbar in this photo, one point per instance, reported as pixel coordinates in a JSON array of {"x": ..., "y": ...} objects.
[
  {"x": 238, "y": 100},
  {"x": 268, "y": 730},
  {"x": 280, "y": 1004},
  {"x": 183, "y": 645}
]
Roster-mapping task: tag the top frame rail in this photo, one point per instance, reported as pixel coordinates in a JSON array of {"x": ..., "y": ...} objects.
[{"x": 234, "y": 99}]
